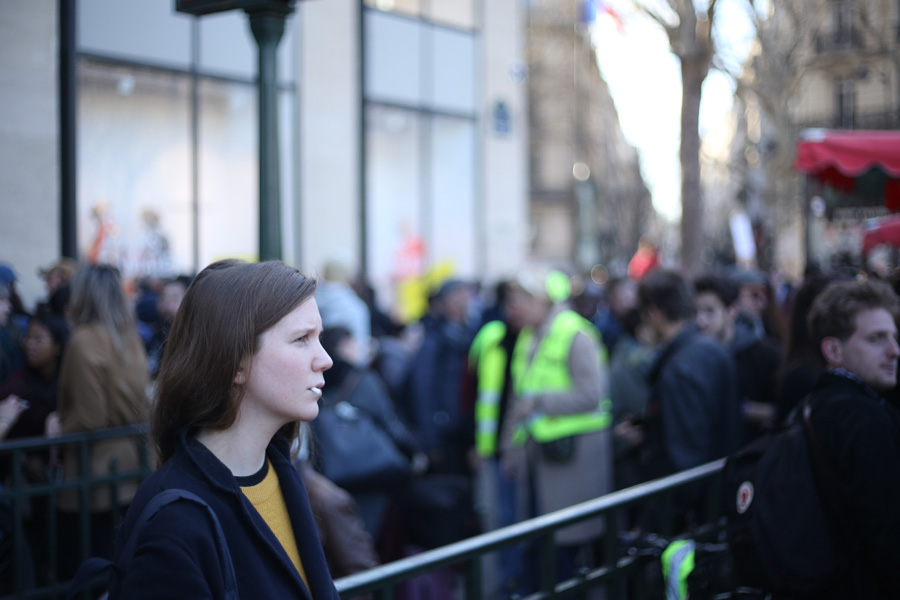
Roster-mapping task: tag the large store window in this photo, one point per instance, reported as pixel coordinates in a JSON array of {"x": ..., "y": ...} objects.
[
  {"x": 134, "y": 168},
  {"x": 421, "y": 195},
  {"x": 228, "y": 171},
  {"x": 393, "y": 194},
  {"x": 140, "y": 204},
  {"x": 421, "y": 153},
  {"x": 454, "y": 224}
]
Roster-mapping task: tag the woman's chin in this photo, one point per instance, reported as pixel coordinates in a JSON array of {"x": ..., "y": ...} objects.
[{"x": 309, "y": 412}]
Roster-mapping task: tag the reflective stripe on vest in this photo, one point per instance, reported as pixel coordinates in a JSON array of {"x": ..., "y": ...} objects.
[
  {"x": 548, "y": 372},
  {"x": 490, "y": 357},
  {"x": 677, "y": 564}
]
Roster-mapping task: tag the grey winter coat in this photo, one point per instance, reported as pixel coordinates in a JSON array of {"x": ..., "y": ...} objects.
[{"x": 589, "y": 473}]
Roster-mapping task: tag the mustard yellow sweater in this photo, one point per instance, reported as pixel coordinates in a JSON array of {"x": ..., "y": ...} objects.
[{"x": 266, "y": 497}]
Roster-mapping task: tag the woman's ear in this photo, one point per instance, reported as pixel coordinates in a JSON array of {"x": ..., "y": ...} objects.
[
  {"x": 832, "y": 351},
  {"x": 240, "y": 378}
]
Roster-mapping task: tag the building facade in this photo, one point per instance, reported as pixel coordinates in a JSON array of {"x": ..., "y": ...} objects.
[
  {"x": 393, "y": 156},
  {"x": 830, "y": 64},
  {"x": 589, "y": 204}
]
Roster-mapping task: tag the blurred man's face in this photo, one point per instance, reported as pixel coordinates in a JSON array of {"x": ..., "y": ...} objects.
[
  {"x": 752, "y": 299},
  {"x": 713, "y": 317},
  {"x": 54, "y": 280},
  {"x": 456, "y": 305},
  {"x": 523, "y": 309},
  {"x": 653, "y": 319},
  {"x": 871, "y": 352}
]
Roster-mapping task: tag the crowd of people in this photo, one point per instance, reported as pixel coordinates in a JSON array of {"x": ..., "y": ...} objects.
[{"x": 552, "y": 390}]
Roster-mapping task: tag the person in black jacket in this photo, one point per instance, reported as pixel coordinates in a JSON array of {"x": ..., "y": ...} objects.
[
  {"x": 756, "y": 357},
  {"x": 435, "y": 380},
  {"x": 693, "y": 414},
  {"x": 243, "y": 365},
  {"x": 854, "y": 327}
]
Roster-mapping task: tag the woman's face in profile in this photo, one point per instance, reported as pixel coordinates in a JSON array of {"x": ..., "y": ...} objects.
[{"x": 283, "y": 381}]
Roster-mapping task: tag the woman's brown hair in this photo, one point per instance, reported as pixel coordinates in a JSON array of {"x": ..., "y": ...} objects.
[{"x": 226, "y": 309}]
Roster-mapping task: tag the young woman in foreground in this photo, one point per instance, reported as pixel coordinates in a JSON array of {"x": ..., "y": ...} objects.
[{"x": 243, "y": 365}]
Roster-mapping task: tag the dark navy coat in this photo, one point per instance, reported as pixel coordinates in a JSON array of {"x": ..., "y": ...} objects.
[{"x": 176, "y": 555}]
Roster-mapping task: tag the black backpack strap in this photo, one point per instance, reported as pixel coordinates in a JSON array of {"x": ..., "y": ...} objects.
[
  {"x": 815, "y": 444},
  {"x": 95, "y": 567}
]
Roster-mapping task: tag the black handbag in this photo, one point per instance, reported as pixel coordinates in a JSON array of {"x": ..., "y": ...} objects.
[
  {"x": 352, "y": 448},
  {"x": 438, "y": 509},
  {"x": 561, "y": 450}
]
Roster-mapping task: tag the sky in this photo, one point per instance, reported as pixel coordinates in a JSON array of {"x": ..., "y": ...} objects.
[{"x": 645, "y": 82}]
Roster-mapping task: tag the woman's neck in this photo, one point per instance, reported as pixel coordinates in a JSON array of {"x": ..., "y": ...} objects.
[{"x": 239, "y": 448}]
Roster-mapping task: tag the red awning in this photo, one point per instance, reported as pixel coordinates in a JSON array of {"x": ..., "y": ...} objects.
[
  {"x": 881, "y": 231},
  {"x": 837, "y": 158},
  {"x": 851, "y": 153}
]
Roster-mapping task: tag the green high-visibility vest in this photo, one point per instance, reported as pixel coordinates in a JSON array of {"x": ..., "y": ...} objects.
[
  {"x": 548, "y": 372},
  {"x": 488, "y": 353}
]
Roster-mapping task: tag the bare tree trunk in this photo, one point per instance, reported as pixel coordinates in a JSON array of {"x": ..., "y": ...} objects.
[
  {"x": 689, "y": 30},
  {"x": 693, "y": 71}
]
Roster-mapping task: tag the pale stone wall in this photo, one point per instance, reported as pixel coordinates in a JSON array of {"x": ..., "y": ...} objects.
[
  {"x": 29, "y": 163},
  {"x": 504, "y": 224},
  {"x": 329, "y": 107},
  {"x": 574, "y": 120}
]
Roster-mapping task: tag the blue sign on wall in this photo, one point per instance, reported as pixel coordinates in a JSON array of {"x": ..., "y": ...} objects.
[{"x": 501, "y": 119}]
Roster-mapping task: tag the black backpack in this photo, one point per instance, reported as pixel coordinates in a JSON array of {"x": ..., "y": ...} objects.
[
  {"x": 96, "y": 568},
  {"x": 777, "y": 528}
]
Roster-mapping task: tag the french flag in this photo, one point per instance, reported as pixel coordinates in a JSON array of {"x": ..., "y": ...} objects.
[{"x": 593, "y": 10}]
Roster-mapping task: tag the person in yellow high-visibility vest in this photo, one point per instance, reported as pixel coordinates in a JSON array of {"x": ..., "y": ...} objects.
[
  {"x": 489, "y": 358},
  {"x": 489, "y": 370},
  {"x": 556, "y": 437}
]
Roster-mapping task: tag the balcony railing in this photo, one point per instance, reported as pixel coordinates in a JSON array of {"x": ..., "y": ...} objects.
[
  {"x": 839, "y": 42},
  {"x": 860, "y": 120}
]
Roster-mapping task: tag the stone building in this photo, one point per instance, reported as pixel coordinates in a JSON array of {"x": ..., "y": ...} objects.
[
  {"x": 128, "y": 122},
  {"x": 589, "y": 204},
  {"x": 830, "y": 64}
]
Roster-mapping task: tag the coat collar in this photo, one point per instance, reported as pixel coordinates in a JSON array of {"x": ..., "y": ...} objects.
[
  {"x": 842, "y": 378},
  {"x": 216, "y": 474}
]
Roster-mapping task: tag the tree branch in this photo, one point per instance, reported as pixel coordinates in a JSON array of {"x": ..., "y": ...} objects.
[
  {"x": 660, "y": 20},
  {"x": 670, "y": 29}
]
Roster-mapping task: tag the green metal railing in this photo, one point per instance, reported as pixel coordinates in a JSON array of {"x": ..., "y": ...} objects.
[
  {"x": 466, "y": 558},
  {"x": 30, "y": 547}
]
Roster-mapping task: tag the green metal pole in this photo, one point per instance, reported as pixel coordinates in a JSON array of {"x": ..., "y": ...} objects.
[{"x": 268, "y": 27}]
